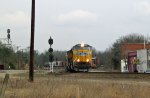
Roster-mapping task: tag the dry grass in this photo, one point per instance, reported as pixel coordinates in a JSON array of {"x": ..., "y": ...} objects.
[{"x": 73, "y": 86}]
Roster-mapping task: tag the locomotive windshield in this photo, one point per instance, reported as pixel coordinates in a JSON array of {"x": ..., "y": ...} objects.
[{"x": 83, "y": 53}]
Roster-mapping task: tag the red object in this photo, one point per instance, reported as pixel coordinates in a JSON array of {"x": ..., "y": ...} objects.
[{"x": 131, "y": 57}]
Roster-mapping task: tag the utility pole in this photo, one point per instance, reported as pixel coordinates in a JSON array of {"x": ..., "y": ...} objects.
[{"x": 31, "y": 70}]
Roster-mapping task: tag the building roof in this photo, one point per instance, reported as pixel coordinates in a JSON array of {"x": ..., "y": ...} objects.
[{"x": 129, "y": 47}]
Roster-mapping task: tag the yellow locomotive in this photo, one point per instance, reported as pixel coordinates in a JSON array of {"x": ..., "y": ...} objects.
[{"x": 80, "y": 57}]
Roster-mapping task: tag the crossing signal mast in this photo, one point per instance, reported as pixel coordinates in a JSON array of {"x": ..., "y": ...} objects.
[{"x": 51, "y": 56}]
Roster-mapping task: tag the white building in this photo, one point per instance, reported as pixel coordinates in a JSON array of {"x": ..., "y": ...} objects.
[
  {"x": 124, "y": 66},
  {"x": 143, "y": 57}
]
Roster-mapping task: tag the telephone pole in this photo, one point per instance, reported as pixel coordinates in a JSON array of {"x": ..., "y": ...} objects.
[{"x": 31, "y": 69}]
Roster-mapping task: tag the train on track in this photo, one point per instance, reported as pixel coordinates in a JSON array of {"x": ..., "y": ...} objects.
[{"x": 81, "y": 56}]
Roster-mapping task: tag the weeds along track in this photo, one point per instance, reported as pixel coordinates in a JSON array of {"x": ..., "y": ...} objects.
[{"x": 106, "y": 75}]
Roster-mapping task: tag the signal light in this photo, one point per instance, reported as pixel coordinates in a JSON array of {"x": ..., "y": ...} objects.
[
  {"x": 50, "y": 41},
  {"x": 50, "y": 50}
]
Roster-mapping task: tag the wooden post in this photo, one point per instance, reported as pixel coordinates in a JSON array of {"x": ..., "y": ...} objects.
[
  {"x": 31, "y": 69},
  {"x": 2, "y": 91}
]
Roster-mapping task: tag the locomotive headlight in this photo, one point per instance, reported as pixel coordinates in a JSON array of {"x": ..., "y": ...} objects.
[
  {"x": 82, "y": 44},
  {"x": 78, "y": 60},
  {"x": 87, "y": 60}
]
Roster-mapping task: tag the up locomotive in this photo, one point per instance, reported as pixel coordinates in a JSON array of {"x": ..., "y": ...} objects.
[{"x": 80, "y": 57}]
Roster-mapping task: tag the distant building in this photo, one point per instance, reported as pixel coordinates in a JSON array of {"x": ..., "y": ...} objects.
[
  {"x": 58, "y": 63},
  {"x": 55, "y": 64},
  {"x": 132, "y": 47},
  {"x": 129, "y": 54}
]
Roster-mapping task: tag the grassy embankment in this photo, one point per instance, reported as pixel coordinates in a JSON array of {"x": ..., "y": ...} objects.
[{"x": 75, "y": 86}]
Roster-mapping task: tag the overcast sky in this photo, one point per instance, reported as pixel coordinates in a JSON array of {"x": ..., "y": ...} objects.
[{"x": 96, "y": 22}]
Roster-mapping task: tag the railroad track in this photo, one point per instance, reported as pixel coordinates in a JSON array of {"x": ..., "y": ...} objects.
[
  {"x": 105, "y": 75},
  {"x": 115, "y": 73}
]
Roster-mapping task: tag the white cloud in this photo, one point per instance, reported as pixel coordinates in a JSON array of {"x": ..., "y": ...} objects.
[
  {"x": 17, "y": 19},
  {"x": 77, "y": 16},
  {"x": 143, "y": 7}
]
